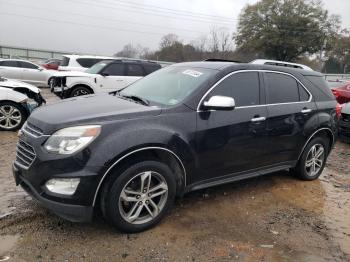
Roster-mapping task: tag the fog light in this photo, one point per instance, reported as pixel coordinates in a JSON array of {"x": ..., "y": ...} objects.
[{"x": 63, "y": 186}]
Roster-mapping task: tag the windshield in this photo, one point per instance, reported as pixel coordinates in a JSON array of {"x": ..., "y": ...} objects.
[
  {"x": 96, "y": 68},
  {"x": 169, "y": 86}
]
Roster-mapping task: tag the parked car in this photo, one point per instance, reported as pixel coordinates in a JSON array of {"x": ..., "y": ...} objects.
[
  {"x": 105, "y": 76},
  {"x": 341, "y": 90},
  {"x": 25, "y": 71},
  {"x": 80, "y": 62},
  {"x": 52, "y": 64},
  {"x": 17, "y": 101},
  {"x": 344, "y": 123},
  {"x": 182, "y": 128}
]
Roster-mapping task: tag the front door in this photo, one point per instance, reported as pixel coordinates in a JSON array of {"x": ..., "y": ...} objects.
[
  {"x": 112, "y": 78},
  {"x": 229, "y": 142}
]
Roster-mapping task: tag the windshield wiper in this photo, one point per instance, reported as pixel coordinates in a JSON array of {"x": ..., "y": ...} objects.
[{"x": 137, "y": 99}]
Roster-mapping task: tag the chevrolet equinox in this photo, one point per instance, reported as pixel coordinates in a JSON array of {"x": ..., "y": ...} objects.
[{"x": 185, "y": 127}]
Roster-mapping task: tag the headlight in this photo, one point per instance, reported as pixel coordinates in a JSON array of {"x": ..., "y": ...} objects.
[
  {"x": 63, "y": 186},
  {"x": 69, "y": 140}
]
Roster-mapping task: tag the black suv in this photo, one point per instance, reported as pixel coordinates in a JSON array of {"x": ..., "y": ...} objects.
[{"x": 185, "y": 127}]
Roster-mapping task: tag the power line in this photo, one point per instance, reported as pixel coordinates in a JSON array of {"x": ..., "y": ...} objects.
[
  {"x": 103, "y": 19},
  {"x": 84, "y": 25},
  {"x": 181, "y": 12},
  {"x": 153, "y": 13}
]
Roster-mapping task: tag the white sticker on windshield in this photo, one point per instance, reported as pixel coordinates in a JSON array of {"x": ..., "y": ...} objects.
[{"x": 193, "y": 73}]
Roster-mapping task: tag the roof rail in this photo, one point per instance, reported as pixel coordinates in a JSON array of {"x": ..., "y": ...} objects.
[
  {"x": 220, "y": 60},
  {"x": 280, "y": 63}
]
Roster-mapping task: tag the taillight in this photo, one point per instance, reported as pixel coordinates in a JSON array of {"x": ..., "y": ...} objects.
[
  {"x": 335, "y": 93},
  {"x": 338, "y": 109}
]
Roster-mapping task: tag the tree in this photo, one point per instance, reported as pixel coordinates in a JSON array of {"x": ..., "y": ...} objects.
[
  {"x": 339, "y": 55},
  {"x": 168, "y": 40},
  {"x": 128, "y": 51},
  {"x": 286, "y": 29}
]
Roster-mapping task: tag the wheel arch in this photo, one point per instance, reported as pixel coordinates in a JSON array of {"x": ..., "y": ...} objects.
[
  {"x": 83, "y": 85},
  {"x": 163, "y": 154},
  {"x": 324, "y": 131}
]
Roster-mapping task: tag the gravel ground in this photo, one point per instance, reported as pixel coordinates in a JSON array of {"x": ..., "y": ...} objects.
[{"x": 270, "y": 218}]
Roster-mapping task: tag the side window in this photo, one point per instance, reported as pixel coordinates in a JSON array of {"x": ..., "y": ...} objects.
[
  {"x": 28, "y": 65},
  {"x": 281, "y": 88},
  {"x": 114, "y": 70},
  {"x": 304, "y": 96},
  {"x": 10, "y": 63},
  {"x": 243, "y": 87},
  {"x": 134, "y": 70},
  {"x": 150, "y": 68},
  {"x": 88, "y": 62}
]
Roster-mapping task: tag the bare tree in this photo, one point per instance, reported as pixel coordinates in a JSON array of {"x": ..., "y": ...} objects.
[
  {"x": 214, "y": 40},
  {"x": 128, "y": 51},
  {"x": 168, "y": 40}
]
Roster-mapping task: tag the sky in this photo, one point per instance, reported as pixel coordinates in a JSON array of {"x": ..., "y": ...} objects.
[{"x": 103, "y": 27}]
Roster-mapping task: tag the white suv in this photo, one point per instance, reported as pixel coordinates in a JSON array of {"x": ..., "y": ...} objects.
[
  {"x": 105, "y": 76},
  {"x": 80, "y": 62}
]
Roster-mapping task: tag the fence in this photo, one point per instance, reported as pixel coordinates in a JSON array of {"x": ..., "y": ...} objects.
[
  {"x": 34, "y": 55},
  {"x": 335, "y": 77}
]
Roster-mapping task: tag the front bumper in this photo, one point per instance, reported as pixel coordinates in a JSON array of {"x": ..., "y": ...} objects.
[{"x": 74, "y": 213}]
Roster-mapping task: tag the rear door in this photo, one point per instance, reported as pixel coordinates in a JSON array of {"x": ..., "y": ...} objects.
[
  {"x": 230, "y": 142},
  {"x": 33, "y": 74},
  {"x": 290, "y": 110},
  {"x": 10, "y": 69},
  {"x": 133, "y": 73}
]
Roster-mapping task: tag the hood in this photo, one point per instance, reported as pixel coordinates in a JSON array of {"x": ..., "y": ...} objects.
[
  {"x": 72, "y": 73},
  {"x": 9, "y": 83},
  {"x": 92, "y": 109},
  {"x": 346, "y": 108}
]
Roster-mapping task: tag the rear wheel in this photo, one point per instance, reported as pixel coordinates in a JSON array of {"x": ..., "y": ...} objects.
[
  {"x": 140, "y": 197},
  {"x": 313, "y": 159},
  {"x": 80, "y": 91},
  {"x": 12, "y": 116}
]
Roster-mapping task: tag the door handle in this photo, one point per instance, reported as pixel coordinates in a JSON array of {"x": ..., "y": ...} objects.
[
  {"x": 258, "y": 119},
  {"x": 306, "y": 111}
]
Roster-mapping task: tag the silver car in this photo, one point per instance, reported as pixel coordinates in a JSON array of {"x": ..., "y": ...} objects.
[{"x": 25, "y": 71}]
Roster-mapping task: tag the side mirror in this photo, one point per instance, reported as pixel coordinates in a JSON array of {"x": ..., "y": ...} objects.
[
  {"x": 104, "y": 74},
  {"x": 220, "y": 103},
  {"x": 40, "y": 69}
]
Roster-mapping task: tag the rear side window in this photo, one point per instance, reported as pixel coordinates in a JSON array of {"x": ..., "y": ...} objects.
[
  {"x": 9, "y": 63},
  {"x": 28, "y": 65},
  {"x": 134, "y": 70},
  {"x": 88, "y": 62},
  {"x": 243, "y": 87},
  {"x": 320, "y": 83},
  {"x": 281, "y": 88},
  {"x": 65, "y": 61},
  {"x": 114, "y": 70},
  {"x": 150, "y": 68}
]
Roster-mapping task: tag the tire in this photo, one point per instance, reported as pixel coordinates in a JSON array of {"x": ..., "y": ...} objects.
[
  {"x": 80, "y": 91},
  {"x": 12, "y": 116},
  {"x": 122, "y": 213},
  {"x": 309, "y": 167}
]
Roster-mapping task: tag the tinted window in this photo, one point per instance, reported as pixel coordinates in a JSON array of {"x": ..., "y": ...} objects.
[
  {"x": 9, "y": 63},
  {"x": 65, "y": 61},
  {"x": 28, "y": 65},
  {"x": 281, "y": 88},
  {"x": 150, "y": 68},
  {"x": 88, "y": 62},
  {"x": 134, "y": 70},
  {"x": 243, "y": 87},
  {"x": 304, "y": 96},
  {"x": 320, "y": 83},
  {"x": 114, "y": 70}
]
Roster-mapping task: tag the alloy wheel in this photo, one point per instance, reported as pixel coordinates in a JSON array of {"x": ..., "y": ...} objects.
[
  {"x": 314, "y": 160},
  {"x": 143, "y": 197},
  {"x": 80, "y": 92},
  {"x": 10, "y": 117}
]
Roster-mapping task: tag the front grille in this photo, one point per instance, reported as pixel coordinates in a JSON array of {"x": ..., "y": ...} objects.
[
  {"x": 32, "y": 130},
  {"x": 345, "y": 117},
  {"x": 25, "y": 154}
]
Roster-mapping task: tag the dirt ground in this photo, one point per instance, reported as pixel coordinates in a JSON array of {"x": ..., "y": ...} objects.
[{"x": 270, "y": 218}]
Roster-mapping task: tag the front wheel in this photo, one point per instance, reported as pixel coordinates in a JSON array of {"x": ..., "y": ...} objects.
[
  {"x": 80, "y": 91},
  {"x": 313, "y": 159},
  {"x": 140, "y": 197},
  {"x": 12, "y": 116}
]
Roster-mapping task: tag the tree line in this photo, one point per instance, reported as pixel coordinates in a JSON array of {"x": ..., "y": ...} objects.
[{"x": 289, "y": 30}]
